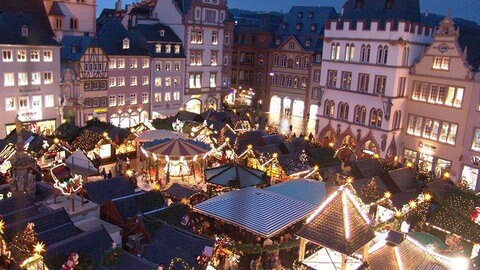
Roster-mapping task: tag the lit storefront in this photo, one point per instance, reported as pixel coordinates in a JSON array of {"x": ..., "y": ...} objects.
[{"x": 44, "y": 127}]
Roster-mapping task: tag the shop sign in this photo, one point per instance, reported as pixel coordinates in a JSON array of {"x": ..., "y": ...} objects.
[
  {"x": 29, "y": 90},
  {"x": 100, "y": 110}
]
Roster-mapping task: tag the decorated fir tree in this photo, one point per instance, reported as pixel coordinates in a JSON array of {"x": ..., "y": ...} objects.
[
  {"x": 23, "y": 243},
  {"x": 369, "y": 192}
]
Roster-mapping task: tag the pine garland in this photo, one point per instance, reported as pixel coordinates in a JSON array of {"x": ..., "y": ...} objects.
[{"x": 255, "y": 249}]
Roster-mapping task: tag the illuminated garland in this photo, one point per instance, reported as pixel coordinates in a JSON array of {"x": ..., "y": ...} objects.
[
  {"x": 178, "y": 260},
  {"x": 112, "y": 256}
]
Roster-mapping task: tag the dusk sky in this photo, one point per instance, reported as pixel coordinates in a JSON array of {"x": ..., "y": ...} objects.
[{"x": 467, "y": 9}]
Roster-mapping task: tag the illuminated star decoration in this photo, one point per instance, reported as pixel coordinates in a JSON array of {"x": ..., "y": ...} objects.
[
  {"x": 45, "y": 144},
  {"x": 2, "y": 226},
  {"x": 39, "y": 248}
]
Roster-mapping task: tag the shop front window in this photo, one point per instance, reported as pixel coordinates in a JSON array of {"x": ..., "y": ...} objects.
[{"x": 470, "y": 175}]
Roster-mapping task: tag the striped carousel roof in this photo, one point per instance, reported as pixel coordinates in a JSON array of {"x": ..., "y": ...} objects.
[
  {"x": 176, "y": 147},
  {"x": 259, "y": 211}
]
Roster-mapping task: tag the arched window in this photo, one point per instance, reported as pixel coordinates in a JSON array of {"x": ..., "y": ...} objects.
[
  {"x": 297, "y": 62},
  {"x": 397, "y": 118},
  {"x": 335, "y": 51},
  {"x": 379, "y": 118},
  {"x": 305, "y": 63},
  {"x": 364, "y": 53},
  {"x": 380, "y": 55},
  {"x": 275, "y": 59},
  {"x": 329, "y": 108},
  {"x": 343, "y": 111},
  {"x": 385, "y": 54},
  {"x": 290, "y": 63},
  {"x": 349, "y": 52},
  {"x": 283, "y": 61},
  {"x": 360, "y": 114},
  {"x": 376, "y": 117},
  {"x": 289, "y": 81},
  {"x": 295, "y": 82},
  {"x": 282, "y": 80},
  {"x": 74, "y": 23}
]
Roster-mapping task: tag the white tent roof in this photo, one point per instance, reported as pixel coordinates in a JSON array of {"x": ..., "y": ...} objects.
[
  {"x": 78, "y": 160},
  {"x": 327, "y": 259},
  {"x": 158, "y": 134},
  {"x": 259, "y": 211}
]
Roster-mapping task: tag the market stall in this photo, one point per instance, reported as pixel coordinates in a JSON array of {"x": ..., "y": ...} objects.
[{"x": 234, "y": 177}]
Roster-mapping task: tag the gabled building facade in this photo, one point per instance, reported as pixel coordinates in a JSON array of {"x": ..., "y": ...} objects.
[
  {"x": 128, "y": 75},
  {"x": 29, "y": 69},
  {"x": 84, "y": 65},
  {"x": 296, "y": 45},
  {"x": 366, "y": 58},
  {"x": 167, "y": 68},
  {"x": 439, "y": 94},
  {"x": 72, "y": 17}
]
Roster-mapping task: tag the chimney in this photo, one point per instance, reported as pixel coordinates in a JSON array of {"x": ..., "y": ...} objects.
[{"x": 118, "y": 5}]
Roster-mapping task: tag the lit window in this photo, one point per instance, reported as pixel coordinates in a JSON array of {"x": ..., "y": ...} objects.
[
  {"x": 112, "y": 81},
  {"x": 168, "y": 82},
  {"x": 168, "y": 96},
  {"x": 441, "y": 63},
  {"x": 176, "y": 80},
  {"x": 121, "y": 81},
  {"x": 158, "y": 97},
  {"x": 158, "y": 81},
  {"x": 8, "y": 79},
  {"x": 121, "y": 100},
  {"x": 145, "y": 80},
  {"x": 158, "y": 66},
  {"x": 158, "y": 48},
  {"x": 21, "y": 55},
  {"x": 214, "y": 37},
  {"x": 168, "y": 66},
  {"x": 126, "y": 43},
  {"x": 10, "y": 104},
  {"x": 22, "y": 78},
  {"x": 476, "y": 140},
  {"x": 36, "y": 101},
  {"x": 133, "y": 63},
  {"x": 133, "y": 81},
  {"x": 195, "y": 80},
  {"x": 177, "y": 49},
  {"x": 176, "y": 66},
  {"x": 213, "y": 79},
  {"x": 145, "y": 98},
  {"x": 7, "y": 56},
  {"x": 112, "y": 100},
  {"x": 213, "y": 60},
  {"x": 133, "y": 99},
  {"x": 47, "y": 56},
  {"x": 176, "y": 96},
  {"x": 49, "y": 101},
  {"x": 168, "y": 48},
  {"x": 112, "y": 64},
  {"x": 145, "y": 63},
  {"x": 121, "y": 63},
  {"x": 23, "y": 102},
  {"x": 34, "y": 55},
  {"x": 36, "y": 78}
]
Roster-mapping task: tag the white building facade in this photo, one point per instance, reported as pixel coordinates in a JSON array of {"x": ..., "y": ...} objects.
[{"x": 363, "y": 83}]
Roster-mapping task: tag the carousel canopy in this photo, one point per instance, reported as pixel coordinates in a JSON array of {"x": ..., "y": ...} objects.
[
  {"x": 156, "y": 134},
  {"x": 339, "y": 224},
  {"x": 176, "y": 147},
  {"x": 399, "y": 251},
  {"x": 235, "y": 176},
  {"x": 258, "y": 211}
]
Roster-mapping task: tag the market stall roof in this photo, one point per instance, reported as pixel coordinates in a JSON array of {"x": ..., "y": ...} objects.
[
  {"x": 308, "y": 190},
  {"x": 326, "y": 259},
  {"x": 188, "y": 116},
  {"x": 259, "y": 211},
  {"x": 339, "y": 223},
  {"x": 171, "y": 242},
  {"x": 177, "y": 191},
  {"x": 235, "y": 176},
  {"x": 399, "y": 251},
  {"x": 176, "y": 147},
  {"x": 157, "y": 134}
]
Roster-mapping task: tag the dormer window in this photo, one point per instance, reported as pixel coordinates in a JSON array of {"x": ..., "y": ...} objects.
[
  {"x": 126, "y": 43},
  {"x": 158, "y": 48},
  {"x": 162, "y": 33},
  {"x": 300, "y": 14},
  {"x": 308, "y": 42},
  {"x": 313, "y": 27},
  {"x": 24, "y": 31},
  {"x": 284, "y": 26},
  {"x": 358, "y": 4},
  {"x": 310, "y": 15},
  {"x": 291, "y": 45},
  {"x": 74, "y": 49},
  {"x": 277, "y": 41},
  {"x": 389, "y": 4},
  {"x": 177, "y": 49},
  {"x": 299, "y": 26}
]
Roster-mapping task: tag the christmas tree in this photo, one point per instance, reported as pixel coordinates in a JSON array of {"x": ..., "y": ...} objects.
[
  {"x": 369, "y": 192},
  {"x": 23, "y": 243}
]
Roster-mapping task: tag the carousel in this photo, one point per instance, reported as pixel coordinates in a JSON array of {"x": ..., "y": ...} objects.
[{"x": 174, "y": 160}]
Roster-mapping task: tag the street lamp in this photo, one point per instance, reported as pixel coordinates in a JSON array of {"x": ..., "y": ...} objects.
[{"x": 387, "y": 105}]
